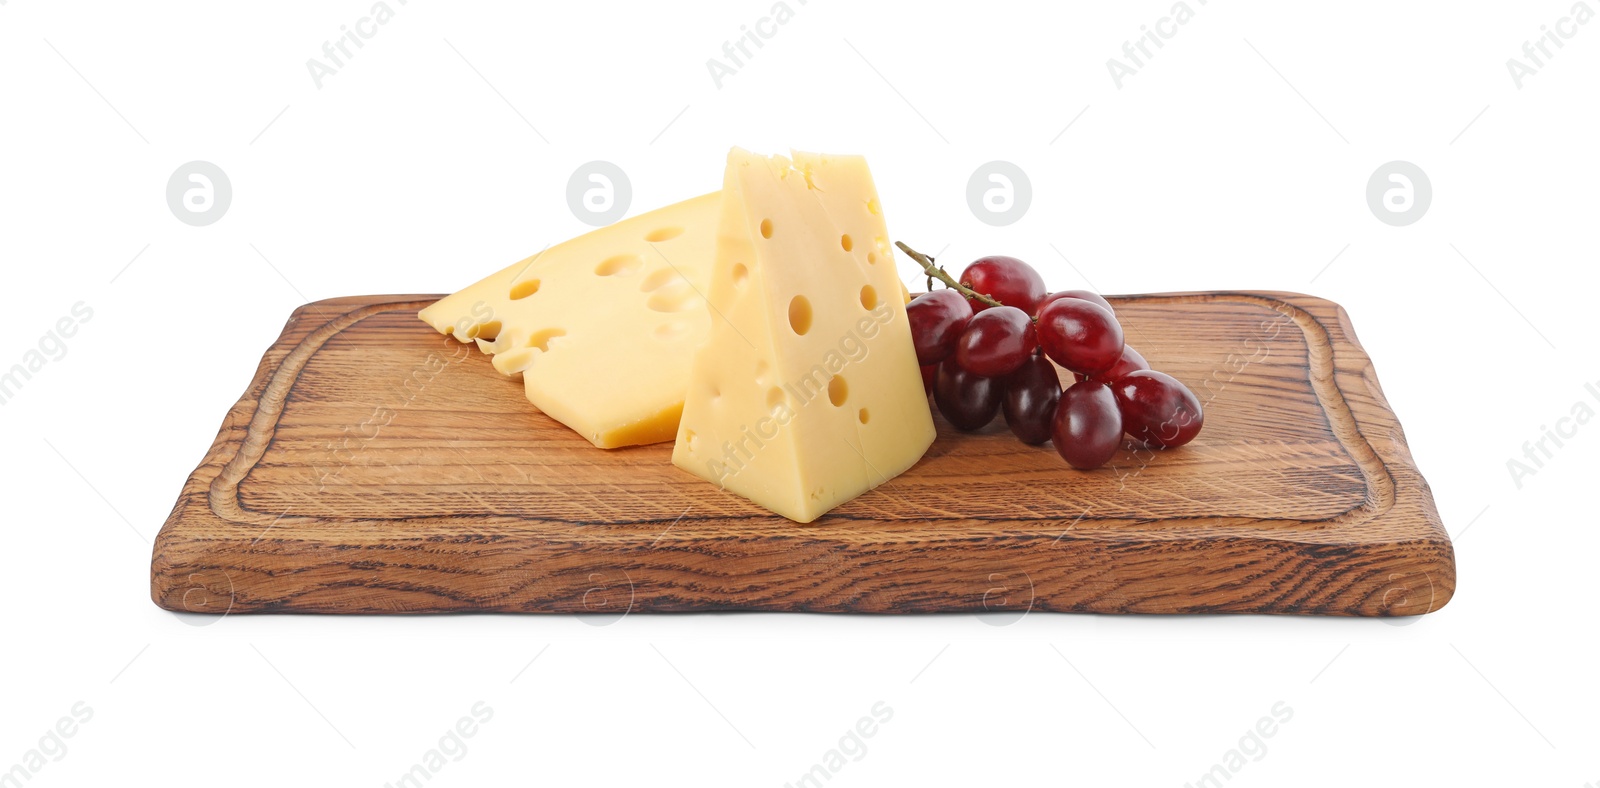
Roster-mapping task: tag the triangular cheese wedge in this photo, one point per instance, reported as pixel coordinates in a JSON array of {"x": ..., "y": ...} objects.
[
  {"x": 807, "y": 391},
  {"x": 602, "y": 328}
]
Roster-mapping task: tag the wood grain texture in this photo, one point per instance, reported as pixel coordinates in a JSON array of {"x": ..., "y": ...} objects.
[{"x": 374, "y": 466}]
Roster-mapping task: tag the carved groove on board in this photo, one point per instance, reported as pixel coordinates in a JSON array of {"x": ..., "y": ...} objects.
[
  {"x": 1380, "y": 486},
  {"x": 1319, "y": 346},
  {"x": 224, "y": 494}
]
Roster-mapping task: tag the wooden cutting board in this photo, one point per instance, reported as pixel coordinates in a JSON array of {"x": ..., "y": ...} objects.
[{"x": 374, "y": 466}]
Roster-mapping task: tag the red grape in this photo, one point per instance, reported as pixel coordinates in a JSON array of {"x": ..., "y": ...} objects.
[
  {"x": 1157, "y": 408},
  {"x": 1030, "y": 400},
  {"x": 967, "y": 401},
  {"x": 1005, "y": 279},
  {"x": 1080, "y": 335},
  {"x": 1130, "y": 361},
  {"x": 1086, "y": 295},
  {"x": 1087, "y": 428},
  {"x": 937, "y": 320},
  {"x": 996, "y": 342},
  {"x": 929, "y": 373}
]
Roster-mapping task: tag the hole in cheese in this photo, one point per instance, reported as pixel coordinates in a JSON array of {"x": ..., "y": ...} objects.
[
  {"x": 522, "y": 290},
  {"x": 872, "y": 257},
  {"x": 872, "y": 207},
  {"x": 541, "y": 339},
  {"x": 774, "y": 398},
  {"x": 863, "y": 415},
  {"x": 657, "y": 278},
  {"x": 485, "y": 331},
  {"x": 620, "y": 265},
  {"x": 800, "y": 314},
  {"x": 669, "y": 331},
  {"x": 740, "y": 273},
  {"x": 678, "y": 296},
  {"x": 869, "y": 296},
  {"x": 766, "y": 228},
  {"x": 663, "y": 234},
  {"x": 838, "y": 390},
  {"x": 844, "y": 240}
]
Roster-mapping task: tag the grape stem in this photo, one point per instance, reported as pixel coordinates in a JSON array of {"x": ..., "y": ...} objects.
[{"x": 935, "y": 272}]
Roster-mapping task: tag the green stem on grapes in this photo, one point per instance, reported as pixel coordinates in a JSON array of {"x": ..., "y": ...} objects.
[{"x": 935, "y": 272}]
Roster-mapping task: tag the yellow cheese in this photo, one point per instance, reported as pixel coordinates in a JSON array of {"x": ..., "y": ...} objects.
[
  {"x": 602, "y": 328},
  {"x": 807, "y": 391}
]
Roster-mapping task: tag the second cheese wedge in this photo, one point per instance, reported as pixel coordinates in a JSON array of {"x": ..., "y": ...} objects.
[
  {"x": 601, "y": 327},
  {"x": 807, "y": 391}
]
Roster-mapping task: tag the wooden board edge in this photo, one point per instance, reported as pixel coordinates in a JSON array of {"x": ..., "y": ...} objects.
[
  {"x": 1358, "y": 378},
  {"x": 1001, "y": 575}
]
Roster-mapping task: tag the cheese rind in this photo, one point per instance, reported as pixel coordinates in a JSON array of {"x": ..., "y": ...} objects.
[
  {"x": 807, "y": 391},
  {"x": 602, "y": 328}
]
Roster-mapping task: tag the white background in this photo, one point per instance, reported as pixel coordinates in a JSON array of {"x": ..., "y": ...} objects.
[{"x": 1236, "y": 158}]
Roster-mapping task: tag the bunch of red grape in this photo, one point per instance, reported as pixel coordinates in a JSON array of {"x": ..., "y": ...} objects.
[{"x": 978, "y": 359}]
